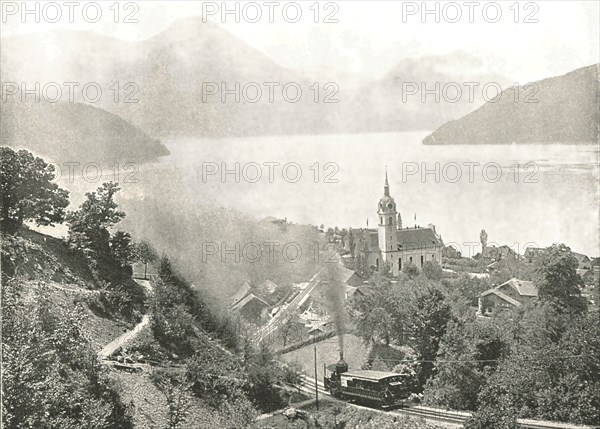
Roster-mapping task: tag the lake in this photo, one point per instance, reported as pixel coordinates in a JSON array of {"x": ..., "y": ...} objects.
[{"x": 520, "y": 194}]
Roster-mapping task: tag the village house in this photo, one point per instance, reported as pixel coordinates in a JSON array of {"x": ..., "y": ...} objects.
[
  {"x": 506, "y": 297},
  {"x": 585, "y": 269},
  {"x": 251, "y": 307},
  {"x": 585, "y": 263},
  {"x": 498, "y": 253},
  {"x": 350, "y": 278},
  {"x": 250, "y": 304},
  {"x": 353, "y": 293},
  {"x": 397, "y": 246},
  {"x": 239, "y": 294},
  {"x": 267, "y": 288}
]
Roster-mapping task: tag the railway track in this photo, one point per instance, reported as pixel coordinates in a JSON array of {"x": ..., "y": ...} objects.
[
  {"x": 289, "y": 310},
  {"x": 435, "y": 414}
]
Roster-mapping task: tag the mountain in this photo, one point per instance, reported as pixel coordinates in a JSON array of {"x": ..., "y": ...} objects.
[
  {"x": 169, "y": 69},
  {"x": 386, "y": 104},
  {"x": 563, "y": 109},
  {"x": 75, "y": 132}
]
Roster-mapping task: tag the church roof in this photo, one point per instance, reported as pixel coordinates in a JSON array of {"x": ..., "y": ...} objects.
[
  {"x": 408, "y": 239},
  {"x": 417, "y": 238}
]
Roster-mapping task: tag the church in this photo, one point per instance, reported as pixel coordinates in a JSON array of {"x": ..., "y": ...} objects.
[{"x": 391, "y": 243}]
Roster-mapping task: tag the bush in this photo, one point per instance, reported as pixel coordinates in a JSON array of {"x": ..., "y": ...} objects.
[
  {"x": 293, "y": 373},
  {"x": 50, "y": 373}
]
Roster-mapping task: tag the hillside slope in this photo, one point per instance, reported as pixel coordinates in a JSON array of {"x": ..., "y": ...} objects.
[
  {"x": 566, "y": 111},
  {"x": 43, "y": 278},
  {"x": 75, "y": 132}
]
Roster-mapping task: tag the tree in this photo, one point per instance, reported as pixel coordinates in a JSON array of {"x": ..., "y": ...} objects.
[
  {"x": 121, "y": 248},
  {"x": 329, "y": 234},
  {"x": 429, "y": 316},
  {"x": 27, "y": 192},
  {"x": 556, "y": 381},
  {"x": 411, "y": 270},
  {"x": 144, "y": 253},
  {"x": 351, "y": 243},
  {"x": 386, "y": 269},
  {"x": 361, "y": 263},
  {"x": 374, "y": 313},
  {"x": 176, "y": 387},
  {"x": 432, "y": 270},
  {"x": 264, "y": 373},
  {"x": 50, "y": 372},
  {"x": 557, "y": 280},
  {"x": 89, "y": 226},
  {"x": 483, "y": 237},
  {"x": 343, "y": 234},
  {"x": 286, "y": 330}
]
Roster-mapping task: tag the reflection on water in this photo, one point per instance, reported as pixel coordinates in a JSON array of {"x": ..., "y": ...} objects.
[{"x": 518, "y": 193}]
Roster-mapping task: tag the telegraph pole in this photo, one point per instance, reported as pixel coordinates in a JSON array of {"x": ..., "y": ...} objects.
[{"x": 316, "y": 380}]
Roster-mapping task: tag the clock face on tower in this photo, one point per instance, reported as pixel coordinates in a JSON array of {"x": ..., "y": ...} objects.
[{"x": 390, "y": 206}]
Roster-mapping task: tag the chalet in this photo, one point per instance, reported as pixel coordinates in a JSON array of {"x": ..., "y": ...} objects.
[
  {"x": 250, "y": 307},
  {"x": 507, "y": 296},
  {"x": 588, "y": 276},
  {"x": 267, "y": 288},
  {"x": 239, "y": 294},
  {"x": 350, "y": 278},
  {"x": 353, "y": 292},
  {"x": 585, "y": 263}
]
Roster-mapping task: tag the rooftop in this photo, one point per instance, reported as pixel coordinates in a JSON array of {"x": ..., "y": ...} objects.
[
  {"x": 242, "y": 303},
  {"x": 371, "y": 375},
  {"x": 524, "y": 287},
  {"x": 408, "y": 238}
]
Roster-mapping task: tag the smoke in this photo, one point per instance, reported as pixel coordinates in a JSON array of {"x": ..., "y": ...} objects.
[
  {"x": 336, "y": 299},
  {"x": 182, "y": 223}
]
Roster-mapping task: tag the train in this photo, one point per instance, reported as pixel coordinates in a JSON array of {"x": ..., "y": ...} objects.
[{"x": 381, "y": 388}]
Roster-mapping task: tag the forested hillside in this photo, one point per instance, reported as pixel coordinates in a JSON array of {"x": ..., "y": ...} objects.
[{"x": 63, "y": 300}]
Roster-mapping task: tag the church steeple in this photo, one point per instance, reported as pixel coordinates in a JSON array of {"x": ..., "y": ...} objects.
[
  {"x": 387, "y": 231},
  {"x": 386, "y": 187}
]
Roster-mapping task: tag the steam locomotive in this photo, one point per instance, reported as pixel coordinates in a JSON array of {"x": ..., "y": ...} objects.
[{"x": 384, "y": 389}]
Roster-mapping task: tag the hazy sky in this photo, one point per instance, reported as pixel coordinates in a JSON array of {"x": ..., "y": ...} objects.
[{"x": 371, "y": 36}]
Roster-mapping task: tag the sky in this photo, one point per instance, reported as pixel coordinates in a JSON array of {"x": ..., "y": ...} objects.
[{"x": 369, "y": 37}]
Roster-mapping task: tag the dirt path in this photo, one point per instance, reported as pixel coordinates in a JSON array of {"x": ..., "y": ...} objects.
[{"x": 110, "y": 348}]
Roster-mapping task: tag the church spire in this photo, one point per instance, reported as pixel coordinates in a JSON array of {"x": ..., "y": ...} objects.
[{"x": 386, "y": 187}]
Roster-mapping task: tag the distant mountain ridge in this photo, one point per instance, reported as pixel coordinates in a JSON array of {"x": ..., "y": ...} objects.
[
  {"x": 170, "y": 68},
  {"x": 567, "y": 111}
]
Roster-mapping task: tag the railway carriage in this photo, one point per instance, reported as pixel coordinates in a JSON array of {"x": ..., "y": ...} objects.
[{"x": 385, "y": 389}]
